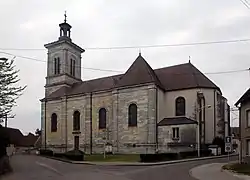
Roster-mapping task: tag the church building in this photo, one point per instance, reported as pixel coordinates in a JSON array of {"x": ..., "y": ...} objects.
[{"x": 144, "y": 110}]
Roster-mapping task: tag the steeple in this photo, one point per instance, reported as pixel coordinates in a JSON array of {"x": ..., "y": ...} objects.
[
  {"x": 64, "y": 61},
  {"x": 65, "y": 29}
]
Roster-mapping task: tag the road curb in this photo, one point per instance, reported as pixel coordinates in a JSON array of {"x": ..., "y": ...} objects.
[{"x": 137, "y": 164}]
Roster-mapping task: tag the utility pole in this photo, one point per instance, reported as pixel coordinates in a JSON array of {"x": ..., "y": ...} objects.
[
  {"x": 198, "y": 131},
  {"x": 6, "y": 119}
]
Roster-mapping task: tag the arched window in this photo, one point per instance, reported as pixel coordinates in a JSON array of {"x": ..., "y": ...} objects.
[
  {"x": 57, "y": 65},
  {"x": 132, "y": 115},
  {"x": 72, "y": 67},
  {"x": 102, "y": 118},
  {"x": 180, "y": 106},
  {"x": 53, "y": 122},
  {"x": 76, "y": 121}
]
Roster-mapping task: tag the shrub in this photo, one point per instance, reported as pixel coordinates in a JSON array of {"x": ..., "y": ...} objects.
[
  {"x": 46, "y": 152},
  {"x": 186, "y": 154},
  {"x": 158, "y": 157},
  {"x": 75, "y": 155},
  {"x": 206, "y": 152},
  {"x": 203, "y": 152},
  {"x": 59, "y": 155}
]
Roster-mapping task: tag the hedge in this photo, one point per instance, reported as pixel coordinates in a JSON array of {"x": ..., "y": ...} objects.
[
  {"x": 75, "y": 155},
  {"x": 158, "y": 157},
  {"x": 46, "y": 152}
]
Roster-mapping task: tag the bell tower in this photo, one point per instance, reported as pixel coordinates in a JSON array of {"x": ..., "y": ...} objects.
[{"x": 63, "y": 61}]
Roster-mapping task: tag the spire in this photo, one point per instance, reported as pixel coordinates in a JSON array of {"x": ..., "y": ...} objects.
[
  {"x": 140, "y": 52},
  {"x": 189, "y": 59},
  {"x": 65, "y": 29}
]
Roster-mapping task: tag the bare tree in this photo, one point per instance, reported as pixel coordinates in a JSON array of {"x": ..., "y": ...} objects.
[
  {"x": 38, "y": 132},
  {"x": 9, "y": 90}
]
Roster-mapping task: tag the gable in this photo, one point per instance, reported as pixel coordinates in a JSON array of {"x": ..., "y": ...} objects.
[{"x": 139, "y": 73}]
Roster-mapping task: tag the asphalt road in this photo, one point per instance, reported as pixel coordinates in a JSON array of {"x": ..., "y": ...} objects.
[{"x": 28, "y": 167}]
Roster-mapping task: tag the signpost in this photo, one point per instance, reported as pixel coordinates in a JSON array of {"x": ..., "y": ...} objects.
[{"x": 228, "y": 145}]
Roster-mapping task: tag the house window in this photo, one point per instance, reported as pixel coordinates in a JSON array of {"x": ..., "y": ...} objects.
[
  {"x": 102, "y": 118},
  {"x": 57, "y": 65},
  {"x": 53, "y": 122},
  {"x": 72, "y": 67},
  {"x": 76, "y": 121},
  {"x": 180, "y": 109},
  {"x": 175, "y": 133},
  {"x": 132, "y": 115},
  {"x": 248, "y": 118},
  {"x": 76, "y": 142}
]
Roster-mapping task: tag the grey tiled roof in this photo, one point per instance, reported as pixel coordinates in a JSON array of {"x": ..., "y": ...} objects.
[
  {"x": 183, "y": 76},
  {"x": 176, "y": 121}
]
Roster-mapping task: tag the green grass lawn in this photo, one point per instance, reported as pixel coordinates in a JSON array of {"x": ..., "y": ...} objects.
[
  {"x": 238, "y": 168},
  {"x": 112, "y": 158}
]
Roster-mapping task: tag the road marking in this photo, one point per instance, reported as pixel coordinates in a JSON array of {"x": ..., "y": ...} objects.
[{"x": 49, "y": 167}]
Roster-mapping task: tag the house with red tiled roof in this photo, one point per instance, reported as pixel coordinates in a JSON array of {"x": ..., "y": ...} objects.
[{"x": 143, "y": 110}]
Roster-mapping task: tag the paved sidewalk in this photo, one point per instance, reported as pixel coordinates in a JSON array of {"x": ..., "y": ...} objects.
[
  {"x": 140, "y": 163},
  {"x": 214, "y": 172}
]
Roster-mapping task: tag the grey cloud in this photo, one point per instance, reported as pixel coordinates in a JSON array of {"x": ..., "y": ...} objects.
[{"x": 98, "y": 23}]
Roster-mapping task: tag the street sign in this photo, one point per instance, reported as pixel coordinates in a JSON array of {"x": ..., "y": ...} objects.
[
  {"x": 228, "y": 139},
  {"x": 228, "y": 144},
  {"x": 228, "y": 148}
]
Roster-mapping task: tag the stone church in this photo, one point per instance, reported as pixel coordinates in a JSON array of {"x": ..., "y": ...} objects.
[{"x": 144, "y": 110}]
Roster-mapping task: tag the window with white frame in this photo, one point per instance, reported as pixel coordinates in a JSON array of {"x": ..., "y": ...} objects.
[
  {"x": 248, "y": 118},
  {"x": 175, "y": 133}
]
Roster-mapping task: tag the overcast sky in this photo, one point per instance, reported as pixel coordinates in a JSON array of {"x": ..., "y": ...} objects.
[{"x": 105, "y": 23}]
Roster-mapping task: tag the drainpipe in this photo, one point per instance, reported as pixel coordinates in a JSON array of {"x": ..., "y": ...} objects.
[
  {"x": 204, "y": 122},
  {"x": 117, "y": 121},
  {"x": 66, "y": 123},
  {"x": 45, "y": 125},
  {"x": 214, "y": 114},
  {"x": 156, "y": 119},
  {"x": 91, "y": 128}
]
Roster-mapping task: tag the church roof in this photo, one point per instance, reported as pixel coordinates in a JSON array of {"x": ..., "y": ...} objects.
[
  {"x": 139, "y": 72},
  {"x": 178, "y": 77}
]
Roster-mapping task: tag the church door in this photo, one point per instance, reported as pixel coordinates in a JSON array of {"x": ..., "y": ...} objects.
[{"x": 76, "y": 142}]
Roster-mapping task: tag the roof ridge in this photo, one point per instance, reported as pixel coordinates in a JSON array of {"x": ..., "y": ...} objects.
[
  {"x": 171, "y": 66},
  {"x": 152, "y": 72}
]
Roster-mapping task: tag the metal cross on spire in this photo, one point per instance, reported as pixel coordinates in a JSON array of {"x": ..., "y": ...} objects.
[{"x": 65, "y": 17}]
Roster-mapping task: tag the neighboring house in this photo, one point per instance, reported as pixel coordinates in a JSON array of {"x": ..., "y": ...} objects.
[
  {"x": 15, "y": 137},
  {"x": 244, "y": 107},
  {"x": 19, "y": 142},
  {"x": 29, "y": 140},
  {"x": 235, "y": 133},
  {"x": 142, "y": 110}
]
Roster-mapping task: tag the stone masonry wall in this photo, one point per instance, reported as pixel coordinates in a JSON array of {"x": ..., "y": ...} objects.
[
  {"x": 142, "y": 134},
  {"x": 77, "y": 104},
  {"x": 100, "y": 136},
  {"x": 54, "y": 138}
]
